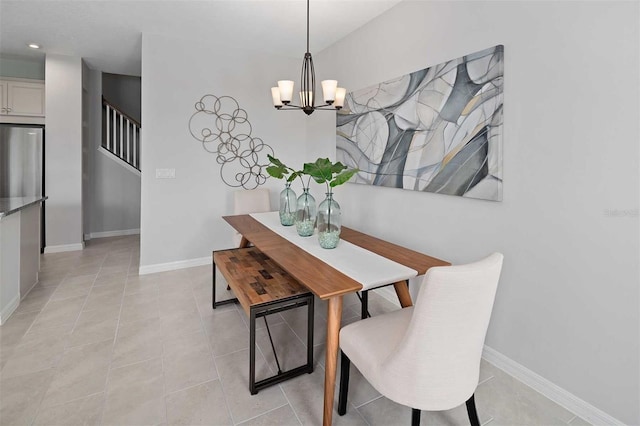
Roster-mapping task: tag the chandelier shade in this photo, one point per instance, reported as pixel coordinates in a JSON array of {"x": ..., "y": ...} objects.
[{"x": 282, "y": 95}]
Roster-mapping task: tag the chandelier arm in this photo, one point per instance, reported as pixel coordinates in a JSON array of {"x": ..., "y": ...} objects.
[
  {"x": 289, "y": 106},
  {"x": 327, "y": 107}
]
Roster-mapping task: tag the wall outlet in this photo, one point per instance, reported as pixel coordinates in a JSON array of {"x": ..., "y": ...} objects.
[{"x": 165, "y": 173}]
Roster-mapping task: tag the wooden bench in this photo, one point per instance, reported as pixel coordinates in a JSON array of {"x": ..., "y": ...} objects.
[{"x": 263, "y": 288}]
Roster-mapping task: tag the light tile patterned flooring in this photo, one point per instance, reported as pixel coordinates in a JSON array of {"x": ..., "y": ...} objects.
[{"x": 94, "y": 343}]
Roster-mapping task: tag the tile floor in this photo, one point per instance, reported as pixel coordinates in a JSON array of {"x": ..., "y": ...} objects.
[{"x": 94, "y": 343}]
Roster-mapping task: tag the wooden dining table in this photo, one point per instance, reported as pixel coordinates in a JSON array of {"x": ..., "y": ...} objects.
[{"x": 327, "y": 282}]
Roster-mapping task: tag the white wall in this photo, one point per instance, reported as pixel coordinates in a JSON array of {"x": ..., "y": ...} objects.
[
  {"x": 181, "y": 218},
  {"x": 63, "y": 151},
  {"x": 567, "y": 305}
]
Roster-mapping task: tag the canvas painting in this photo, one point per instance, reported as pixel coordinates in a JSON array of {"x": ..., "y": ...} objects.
[{"x": 434, "y": 130}]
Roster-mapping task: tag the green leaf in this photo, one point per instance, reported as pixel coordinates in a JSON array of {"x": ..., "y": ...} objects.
[
  {"x": 277, "y": 172},
  {"x": 293, "y": 176},
  {"x": 338, "y": 167},
  {"x": 275, "y": 161},
  {"x": 320, "y": 171},
  {"x": 279, "y": 169},
  {"x": 343, "y": 177}
]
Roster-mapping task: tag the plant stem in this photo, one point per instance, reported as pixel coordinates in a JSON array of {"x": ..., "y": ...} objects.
[
  {"x": 307, "y": 214},
  {"x": 329, "y": 215}
]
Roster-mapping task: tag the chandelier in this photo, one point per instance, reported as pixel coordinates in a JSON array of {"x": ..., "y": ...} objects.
[{"x": 283, "y": 94}]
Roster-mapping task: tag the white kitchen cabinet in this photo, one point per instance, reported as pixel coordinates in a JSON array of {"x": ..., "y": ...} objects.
[{"x": 22, "y": 98}]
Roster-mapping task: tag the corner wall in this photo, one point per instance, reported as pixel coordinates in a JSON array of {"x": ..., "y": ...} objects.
[
  {"x": 123, "y": 91},
  {"x": 63, "y": 153},
  {"x": 568, "y": 301},
  {"x": 181, "y": 218},
  {"x": 115, "y": 196}
]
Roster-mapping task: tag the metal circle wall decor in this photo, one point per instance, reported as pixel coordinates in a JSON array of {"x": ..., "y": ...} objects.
[{"x": 224, "y": 129}]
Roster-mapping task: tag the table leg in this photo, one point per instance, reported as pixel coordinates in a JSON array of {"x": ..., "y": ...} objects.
[
  {"x": 402, "y": 290},
  {"x": 334, "y": 315},
  {"x": 244, "y": 243}
]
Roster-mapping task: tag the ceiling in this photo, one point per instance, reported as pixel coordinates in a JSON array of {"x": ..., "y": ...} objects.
[{"x": 107, "y": 34}]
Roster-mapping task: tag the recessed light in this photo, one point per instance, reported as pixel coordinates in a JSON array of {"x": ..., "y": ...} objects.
[{"x": 34, "y": 46}]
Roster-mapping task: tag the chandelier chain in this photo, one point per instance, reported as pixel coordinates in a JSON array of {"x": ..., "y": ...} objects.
[{"x": 307, "y": 26}]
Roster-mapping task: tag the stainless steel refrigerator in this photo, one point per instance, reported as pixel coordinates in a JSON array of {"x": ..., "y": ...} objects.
[{"x": 22, "y": 163}]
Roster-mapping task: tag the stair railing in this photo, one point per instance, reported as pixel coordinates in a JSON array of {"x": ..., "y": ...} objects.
[{"x": 121, "y": 134}]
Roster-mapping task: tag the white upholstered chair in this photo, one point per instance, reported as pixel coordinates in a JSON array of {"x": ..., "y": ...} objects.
[
  {"x": 427, "y": 356},
  {"x": 250, "y": 201}
]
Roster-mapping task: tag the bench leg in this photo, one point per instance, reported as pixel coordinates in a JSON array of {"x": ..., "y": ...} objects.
[
  {"x": 262, "y": 311},
  {"x": 252, "y": 352},
  {"x": 213, "y": 284},
  {"x": 273, "y": 348},
  {"x": 215, "y": 304},
  {"x": 310, "y": 319}
]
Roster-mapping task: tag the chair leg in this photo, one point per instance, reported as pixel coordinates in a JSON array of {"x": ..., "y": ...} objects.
[
  {"x": 345, "y": 363},
  {"x": 415, "y": 417},
  {"x": 471, "y": 411}
]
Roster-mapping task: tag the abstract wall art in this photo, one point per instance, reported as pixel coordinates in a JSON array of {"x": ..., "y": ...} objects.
[
  {"x": 224, "y": 130},
  {"x": 434, "y": 130}
]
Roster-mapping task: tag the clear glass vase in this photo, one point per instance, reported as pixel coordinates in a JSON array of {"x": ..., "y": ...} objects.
[
  {"x": 288, "y": 205},
  {"x": 306, "y": 214},
  {"x": 329, "y": 222}
]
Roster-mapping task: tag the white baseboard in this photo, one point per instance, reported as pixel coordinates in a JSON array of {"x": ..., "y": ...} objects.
[
  {"x": 550, "y": 390},
  {"x": 555, "y": 393},
  {"x": 22, "y": 296},
  {"x": 106, "y": 234},
  {"x": 172, "y": 266},
  {"x": 64, "y": 247},
  {"x": 8, "y": 310}
]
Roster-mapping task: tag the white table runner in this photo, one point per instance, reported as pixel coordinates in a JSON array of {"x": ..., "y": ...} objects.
[{"x": 368, "y": 268}]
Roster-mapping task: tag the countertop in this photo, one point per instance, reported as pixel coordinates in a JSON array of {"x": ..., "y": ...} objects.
[{"x": 11, "y": 205}]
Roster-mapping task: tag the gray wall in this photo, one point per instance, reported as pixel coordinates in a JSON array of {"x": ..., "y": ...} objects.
[
  {"x": 567, "y": 304},
  {"x": 63, "y": 152},
  {"x": 19, "y": 67},
  {"x": 87, "y": 153},
  {"x": 124, "y": 92},
  {"x": 115, "y": 190},
  {"x": 181, "y": 218}
]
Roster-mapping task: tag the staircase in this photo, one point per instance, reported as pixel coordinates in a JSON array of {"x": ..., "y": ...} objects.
[{"x": 121, "y": 135}]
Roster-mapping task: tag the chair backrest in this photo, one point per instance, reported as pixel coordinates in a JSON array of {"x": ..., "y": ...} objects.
[
  {"x": 437, "y": 363},
  {"x": 251, "y": 201}
]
